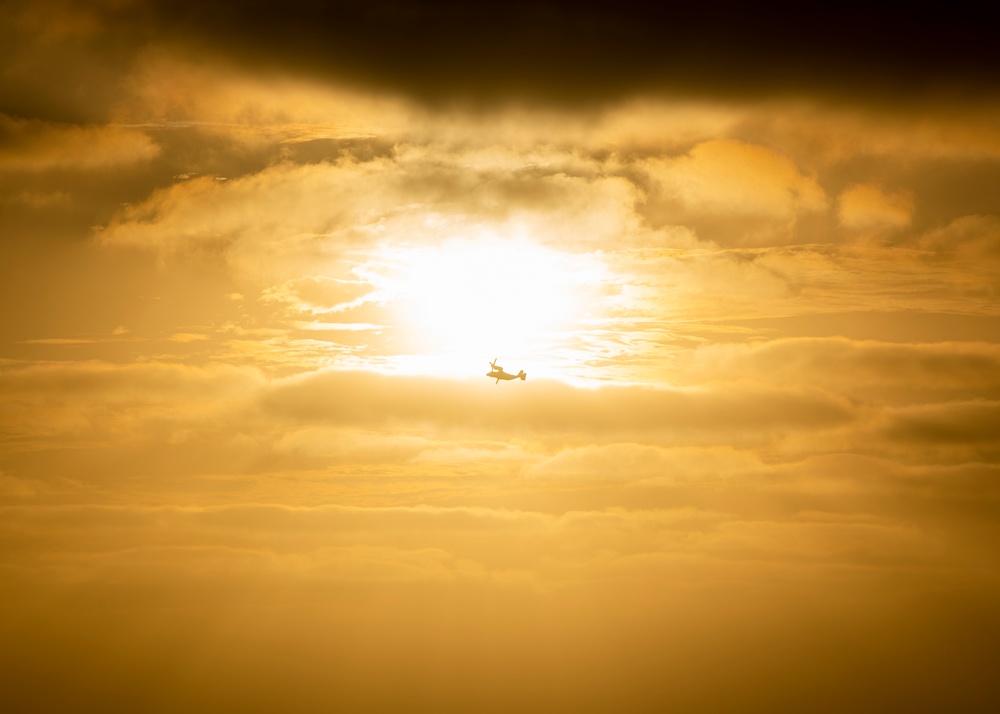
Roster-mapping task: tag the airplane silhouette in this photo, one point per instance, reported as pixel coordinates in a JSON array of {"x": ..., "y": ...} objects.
[{"x": 498, "y": 373}]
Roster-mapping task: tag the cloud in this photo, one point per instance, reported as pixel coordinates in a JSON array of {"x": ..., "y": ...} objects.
[
  {"x": 586, "y": 55},
  {"x": 635, "y": 462},
  {"x": 31, "y": 145},
  {"x": 42, "y": 200},
  {"x": 465, "y": 588},
  {"x": 898, "y": 488},
  {"x": 737, "y": 178},
  {"x": 62, "y": 20},
  {"x": 220, "y": 99},
  {"x": 731, "y": 192},
  {"x": 870, "y": 207},
  {"x": 93, "y": 378},
  {"x": 318, "y": 295},
  {"x": 12, "y": 487},
  {"x": 203, "y": 213},
  {"x": 826, "y": 136},
  {"x": 232, "y": 420},
  {"x": 859, "y": 368},
  {"x": 366, "y": 399},
  {"x": 968, "y": 422},
  {"x": 289, "y": 216},
  {"x": 335, "y": 445},
  {"x": 53, "y": 405},
  {"x": 339, "y": 542},
  {"x": 975, "y": 238},
  {"x": 167, "y": 89},
  {"x": 706, "y": 290}
]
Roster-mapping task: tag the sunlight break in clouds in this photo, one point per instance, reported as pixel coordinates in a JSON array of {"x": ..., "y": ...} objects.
[{"x": 466, "y": 299}]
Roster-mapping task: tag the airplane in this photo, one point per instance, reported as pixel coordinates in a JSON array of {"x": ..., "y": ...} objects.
[{"x": 499, "y": 374}]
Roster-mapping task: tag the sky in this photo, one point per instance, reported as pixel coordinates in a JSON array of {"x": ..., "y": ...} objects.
[{"x": 256, "y": 258}]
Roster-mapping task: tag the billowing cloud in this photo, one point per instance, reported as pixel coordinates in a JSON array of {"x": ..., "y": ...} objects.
[
  {"x": 410, "y": 195},
  {"x": 739, "y": 179},
  {"x": 868, "y": 207}
]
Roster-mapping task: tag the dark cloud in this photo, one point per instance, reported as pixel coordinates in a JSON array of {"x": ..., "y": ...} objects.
[
  {"x": 553, "y": 51},
  {"x": 558, "y": 50}
]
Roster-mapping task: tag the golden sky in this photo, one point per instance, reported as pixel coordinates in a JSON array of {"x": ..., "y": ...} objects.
[{"x": 255, "y": 261}]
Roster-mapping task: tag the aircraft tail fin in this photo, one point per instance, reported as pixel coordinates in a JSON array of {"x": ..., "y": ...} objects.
[{"x": 522, "y": 375}]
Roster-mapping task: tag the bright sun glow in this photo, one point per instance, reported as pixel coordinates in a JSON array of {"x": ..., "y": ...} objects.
[{"x": 489, "y": 297}]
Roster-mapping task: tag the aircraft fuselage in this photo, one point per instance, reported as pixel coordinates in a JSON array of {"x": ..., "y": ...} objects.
[{"x": 499, "y": 374}]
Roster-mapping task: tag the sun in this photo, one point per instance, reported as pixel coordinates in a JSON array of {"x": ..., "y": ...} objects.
[{"x": 488, "y": 296}]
